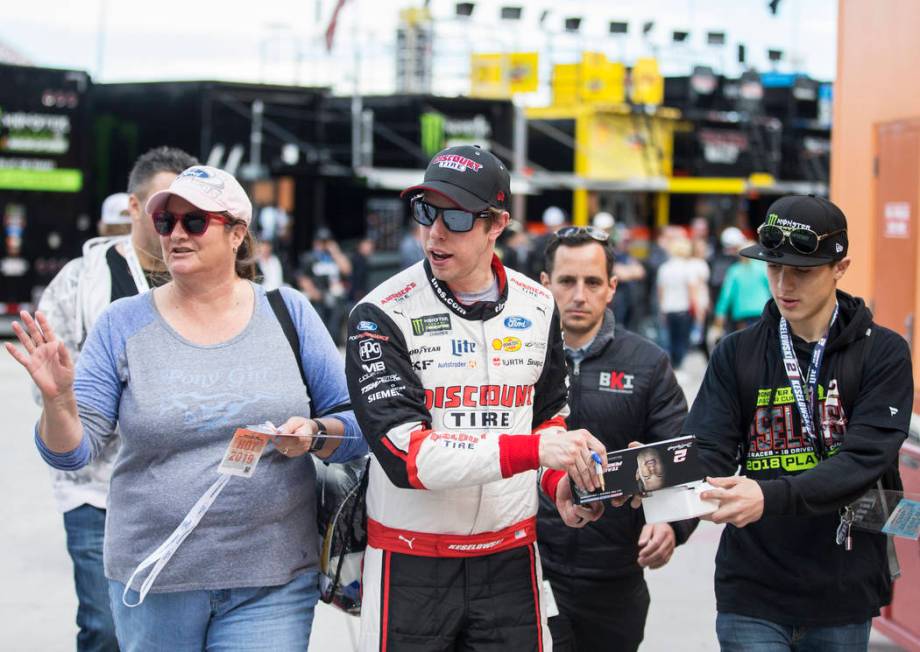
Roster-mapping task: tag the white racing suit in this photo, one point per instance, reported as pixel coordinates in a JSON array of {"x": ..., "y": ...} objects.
[{"x": 451, "y": 399}]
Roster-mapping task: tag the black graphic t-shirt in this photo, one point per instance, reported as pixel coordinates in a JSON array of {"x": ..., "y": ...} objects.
[{"x": 785, "y": 566}]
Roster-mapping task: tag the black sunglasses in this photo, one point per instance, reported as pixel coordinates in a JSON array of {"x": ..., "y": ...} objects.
[
  {"x": 803, "y": 240},
  {"x": 193, "y": 222},
  {"x": 591, "y": 231},
  {"x": 455, "y": 219}
]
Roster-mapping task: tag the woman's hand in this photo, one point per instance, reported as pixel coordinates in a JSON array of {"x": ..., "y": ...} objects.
[
  {"x": 295, "y": 436},
  {"x": 45, "y": 358}
]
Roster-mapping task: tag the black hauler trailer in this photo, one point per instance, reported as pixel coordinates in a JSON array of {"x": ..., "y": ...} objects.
[
  {"x": 260, "y": 133},
  {"x": 45, "y": 176}
]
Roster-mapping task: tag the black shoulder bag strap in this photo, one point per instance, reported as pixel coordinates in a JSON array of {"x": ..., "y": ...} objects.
[{"x": 290, "y": 332}]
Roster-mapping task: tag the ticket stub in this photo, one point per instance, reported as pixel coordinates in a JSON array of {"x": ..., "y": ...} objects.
[
  {"x": 243, "y": 453},
  {"x": 905, "y": 520},
  {"x": 645, "y": 469}
]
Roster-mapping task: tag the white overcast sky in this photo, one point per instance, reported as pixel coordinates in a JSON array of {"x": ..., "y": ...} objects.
[{"x": 259, "y": 41}]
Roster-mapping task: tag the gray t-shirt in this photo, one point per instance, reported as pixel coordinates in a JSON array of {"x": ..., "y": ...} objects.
[{"x": 177, "y": 405}]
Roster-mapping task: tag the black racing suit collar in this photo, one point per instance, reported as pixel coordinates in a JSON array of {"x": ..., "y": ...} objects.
[
  {"x": 853, "y": 320},
  {"x": 479, "y": 311}
]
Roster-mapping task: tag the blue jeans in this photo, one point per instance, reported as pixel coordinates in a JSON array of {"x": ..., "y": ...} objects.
[
  {"x": 745, "y": 634},
  {"x": 271, "y": 618},
  {"x": 85, "y": 527},
  {"x": 678, "y": 329}
]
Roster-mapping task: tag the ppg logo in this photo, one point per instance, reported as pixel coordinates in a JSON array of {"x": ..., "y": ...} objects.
[{"x": 369, "y": 350}]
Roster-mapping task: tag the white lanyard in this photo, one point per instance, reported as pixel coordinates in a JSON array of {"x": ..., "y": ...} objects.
[
  {"x": 241, "y": 458},
  {"x": 806, "y": 404},
  {"x": 137, "y": 272},
  {"x": 161, "y": 556}
]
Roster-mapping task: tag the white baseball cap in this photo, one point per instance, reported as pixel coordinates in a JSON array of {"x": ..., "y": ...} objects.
[
  {"x": 732, "y": 237},
  {"x": 115, "y": 209},
  {"x": 553, "y": 216},
  {"x": 603, "y": 220},
  {"x": 208, "y": 189}
]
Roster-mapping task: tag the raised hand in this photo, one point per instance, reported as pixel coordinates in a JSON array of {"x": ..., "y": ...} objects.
[
  {"x": 571, "y": 451},
  {"x": 45, "y": 357}
]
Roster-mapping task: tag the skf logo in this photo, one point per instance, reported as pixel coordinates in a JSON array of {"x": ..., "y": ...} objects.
[
  {"x": 421, "y": 365},
  {"x": 616, "y": 381},
  {"x": 509, "y": 344}
]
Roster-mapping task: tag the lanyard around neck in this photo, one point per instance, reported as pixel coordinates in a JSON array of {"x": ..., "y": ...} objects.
[
  {"x": 137, "y": 272},
  {"x": 807, "y": 404}
]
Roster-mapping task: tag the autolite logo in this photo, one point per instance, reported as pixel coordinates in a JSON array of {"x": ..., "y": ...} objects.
[{"x": 457, "y": 162}]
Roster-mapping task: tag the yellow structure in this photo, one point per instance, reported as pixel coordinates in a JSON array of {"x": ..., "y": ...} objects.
[
  {"x": 593, "y": 80},
  {"x": 614, "y": 142},
  {"x": 499, "y": 75}
]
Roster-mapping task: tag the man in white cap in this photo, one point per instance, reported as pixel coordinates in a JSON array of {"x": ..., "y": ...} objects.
[
  {"x": 116, "y": 215},
  {"x": 110, "y": 268}
]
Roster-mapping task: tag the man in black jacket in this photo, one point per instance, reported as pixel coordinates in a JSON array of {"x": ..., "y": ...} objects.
[
  {"x": 621, "y": 388},
  {"x": 815, "y": 401}
]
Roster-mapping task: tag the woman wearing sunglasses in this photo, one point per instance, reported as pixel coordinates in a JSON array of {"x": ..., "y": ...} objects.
[{"x": 177, "y": 371}]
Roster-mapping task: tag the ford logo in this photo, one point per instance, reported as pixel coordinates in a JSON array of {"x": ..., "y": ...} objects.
[
  {"x": 367, "y": 326},
  {"x": 518, "y": 323}
]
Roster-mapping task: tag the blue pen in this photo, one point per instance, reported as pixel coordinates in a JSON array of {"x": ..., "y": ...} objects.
[{"x": 599, "y": 469}]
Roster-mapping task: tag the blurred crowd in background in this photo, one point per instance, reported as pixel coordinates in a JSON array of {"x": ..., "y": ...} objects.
[{"x": 684, "y": 290}]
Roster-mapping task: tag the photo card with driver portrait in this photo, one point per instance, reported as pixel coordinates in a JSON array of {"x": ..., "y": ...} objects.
[{"x": 646, "y": 469}]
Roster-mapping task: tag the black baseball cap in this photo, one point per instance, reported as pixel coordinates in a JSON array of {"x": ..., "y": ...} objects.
[
  {"x": 804, "y": 212},
  {"x": 469, "y": 176}
]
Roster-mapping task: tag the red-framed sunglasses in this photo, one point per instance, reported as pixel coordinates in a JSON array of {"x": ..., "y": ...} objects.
[{"x": 194, "y": 222}]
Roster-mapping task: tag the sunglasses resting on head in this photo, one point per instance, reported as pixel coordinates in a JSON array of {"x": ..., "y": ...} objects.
[{"x": 574, "y": 231}]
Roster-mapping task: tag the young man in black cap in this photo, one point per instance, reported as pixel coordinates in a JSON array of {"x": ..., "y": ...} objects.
[
  {"x": 457, "y": 375},
  {"x": 815, "y": 400}
]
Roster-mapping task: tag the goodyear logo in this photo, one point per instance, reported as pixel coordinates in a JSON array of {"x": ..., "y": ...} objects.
[{"x": 509, "y": 344}]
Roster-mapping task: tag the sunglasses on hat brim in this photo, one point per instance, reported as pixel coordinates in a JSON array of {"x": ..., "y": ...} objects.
[
  {"x": 803, "y": 240},
  {"x": 456, "y": 220}
]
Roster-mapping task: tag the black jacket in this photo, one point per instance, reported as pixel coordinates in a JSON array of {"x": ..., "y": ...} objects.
[
  {"x": 786, "y": 567},
  {"x": 623, "y": 390}
]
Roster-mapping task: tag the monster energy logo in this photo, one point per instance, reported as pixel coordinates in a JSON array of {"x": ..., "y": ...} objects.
[
  {"x": 432, "y": 133},
  {"x": 771, "y": 218},
  {"x": 431, "y": 324},
  {"x": 439, "y": 131}
]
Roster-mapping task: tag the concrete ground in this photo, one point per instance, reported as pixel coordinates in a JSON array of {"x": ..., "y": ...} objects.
[{"x": 37, "y": 603}]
